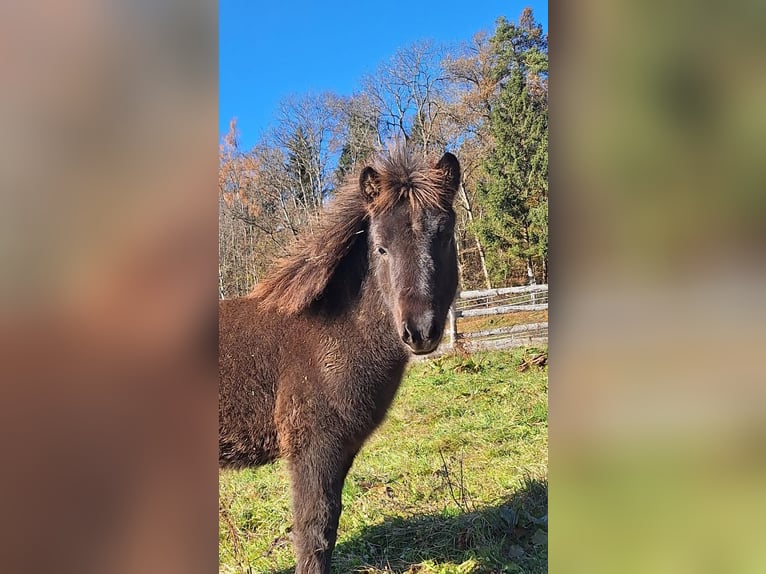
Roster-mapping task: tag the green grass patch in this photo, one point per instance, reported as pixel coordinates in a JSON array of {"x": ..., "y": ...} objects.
[{"x": 453, "y": 482}]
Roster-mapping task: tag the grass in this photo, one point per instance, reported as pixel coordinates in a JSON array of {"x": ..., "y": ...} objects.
[{"x": 453, "y": 482}]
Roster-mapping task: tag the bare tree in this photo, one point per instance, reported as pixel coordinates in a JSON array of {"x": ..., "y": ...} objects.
[
  {"x": 407, "y": 92},
  {"x": 305, "y": 133},
  {"x": 253, "y": 216}
]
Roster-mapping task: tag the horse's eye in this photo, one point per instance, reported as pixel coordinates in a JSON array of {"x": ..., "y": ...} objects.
[{"x": 382, "y": 250}]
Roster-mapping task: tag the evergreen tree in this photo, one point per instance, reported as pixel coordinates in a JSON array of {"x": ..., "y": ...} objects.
[
  {"x": 301, "y": 162},
  {"x": 514, "y": 191},
  {"x": 359, "y": 145}
]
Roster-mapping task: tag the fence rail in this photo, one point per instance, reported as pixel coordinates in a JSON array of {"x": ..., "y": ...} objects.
[
  {"x": 500, "y": 310},
  {"x": 502, "y": 331},
  {"x": 502, "y": 301},
  {"x": 465, "y": 295}
]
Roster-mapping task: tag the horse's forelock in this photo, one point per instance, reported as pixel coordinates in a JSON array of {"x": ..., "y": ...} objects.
[{"x": 404, "y": 175}]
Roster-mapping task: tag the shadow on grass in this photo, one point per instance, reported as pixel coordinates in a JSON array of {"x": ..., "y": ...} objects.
[{"x": 509, "y": 537}]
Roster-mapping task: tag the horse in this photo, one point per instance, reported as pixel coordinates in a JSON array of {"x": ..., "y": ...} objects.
[{"x": 310, "y": 361}]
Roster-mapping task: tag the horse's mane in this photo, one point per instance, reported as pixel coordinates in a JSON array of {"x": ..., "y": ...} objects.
[{"x": 302, "y": 276}]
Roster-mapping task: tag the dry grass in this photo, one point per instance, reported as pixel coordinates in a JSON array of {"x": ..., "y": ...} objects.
[{"x": 474, "y": 324}]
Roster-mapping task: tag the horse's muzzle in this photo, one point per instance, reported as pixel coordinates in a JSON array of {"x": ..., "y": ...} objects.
[{"x": 420, "y": 339}]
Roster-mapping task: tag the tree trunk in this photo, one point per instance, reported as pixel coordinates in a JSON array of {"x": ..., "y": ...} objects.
[
  {"x": 479, "y": 247},
  {"x": 530, "y": 271},
  {"x": 287, "y": 216}
]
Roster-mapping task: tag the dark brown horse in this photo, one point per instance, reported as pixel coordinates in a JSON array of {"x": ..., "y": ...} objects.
[{"x": 311, "y": 361}]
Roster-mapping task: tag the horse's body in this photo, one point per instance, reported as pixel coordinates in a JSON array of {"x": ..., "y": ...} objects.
[{"x": 310, "y": 363}]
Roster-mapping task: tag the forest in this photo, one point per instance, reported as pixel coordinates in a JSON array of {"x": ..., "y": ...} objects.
[{"x": 485, "y": 99}]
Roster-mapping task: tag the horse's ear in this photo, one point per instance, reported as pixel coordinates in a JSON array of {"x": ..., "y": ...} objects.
[
  {"x": 449, "y": 166},
  {"x": 369, "y": 183}
]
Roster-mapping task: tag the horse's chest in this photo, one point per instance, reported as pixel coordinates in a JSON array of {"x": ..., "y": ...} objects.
[{"x": 360, "y": 380}]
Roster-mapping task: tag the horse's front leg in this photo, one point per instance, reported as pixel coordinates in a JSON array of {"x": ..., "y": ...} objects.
[{"x": 317, "y": 482}]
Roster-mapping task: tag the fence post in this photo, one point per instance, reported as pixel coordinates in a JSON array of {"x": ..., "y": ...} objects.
[
  {"x": 452, "y": 325},
  {"x": 531, "y": 283}
]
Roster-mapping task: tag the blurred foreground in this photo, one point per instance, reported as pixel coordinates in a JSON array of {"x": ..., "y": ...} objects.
[
  {"x": 657, "y": 400},
  {"x": 108, "y": 310}
]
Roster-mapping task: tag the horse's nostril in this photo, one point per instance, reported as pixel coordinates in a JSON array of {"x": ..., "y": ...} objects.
[
  {"x": 406, "y": 335},
  {"x": 411, "y": 334}
]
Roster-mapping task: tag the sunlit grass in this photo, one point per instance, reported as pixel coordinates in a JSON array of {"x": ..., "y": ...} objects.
[{"x": 455, "y": 481}]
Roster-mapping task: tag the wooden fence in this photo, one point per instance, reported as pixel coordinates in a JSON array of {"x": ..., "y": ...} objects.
[{"x": 498, "y": 302}]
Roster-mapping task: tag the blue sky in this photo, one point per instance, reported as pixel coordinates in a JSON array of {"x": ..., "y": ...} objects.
[{"x": 271, "y": 49}]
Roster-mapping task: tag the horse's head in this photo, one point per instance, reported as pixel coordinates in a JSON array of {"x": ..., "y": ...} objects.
[{"x": 412, "y": 246}]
